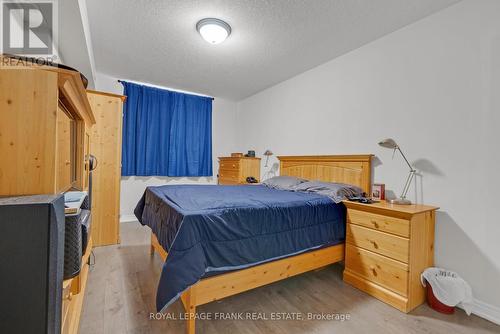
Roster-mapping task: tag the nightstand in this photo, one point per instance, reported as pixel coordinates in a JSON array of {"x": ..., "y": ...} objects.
[
  {"x": 235, "y": 170},
  {"x": 387, "y": 248}
]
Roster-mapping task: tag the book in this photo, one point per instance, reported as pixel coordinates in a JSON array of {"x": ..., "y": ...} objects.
[{"x": 73, "y": 201}]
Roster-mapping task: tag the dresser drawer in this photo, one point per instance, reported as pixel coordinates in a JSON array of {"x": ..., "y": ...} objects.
[
  {"x": 379, "y": 222},
  {"x": 230, "y": 165},
  {"x": 229, "y": 175},
  {"x": 382, "y": 270},
  {"x": 382, "y": 243}
]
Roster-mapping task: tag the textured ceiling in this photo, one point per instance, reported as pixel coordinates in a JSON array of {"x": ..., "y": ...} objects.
[{"x": 155, "y": 41}]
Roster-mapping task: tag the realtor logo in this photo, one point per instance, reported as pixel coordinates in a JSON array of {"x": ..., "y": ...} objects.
[{"x": 28, "y": 27}]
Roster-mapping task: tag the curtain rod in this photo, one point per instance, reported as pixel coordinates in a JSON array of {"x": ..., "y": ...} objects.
[{"x": 213, "y": 98}]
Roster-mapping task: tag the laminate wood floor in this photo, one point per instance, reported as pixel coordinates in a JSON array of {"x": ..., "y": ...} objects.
[{"x": 121, "y": 289}]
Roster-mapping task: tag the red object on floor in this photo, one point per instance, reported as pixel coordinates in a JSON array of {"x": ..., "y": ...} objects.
[{"x": 435, "y": 304}]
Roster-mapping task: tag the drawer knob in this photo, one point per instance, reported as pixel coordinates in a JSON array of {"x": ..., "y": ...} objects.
[
  {"x": 374, "y": 244},
  {"x": 69, "y": 296},
  {"x": 375, "y": 224},
  {"x": 234, "y": 165},
  {"x": 374, "y": 272}
]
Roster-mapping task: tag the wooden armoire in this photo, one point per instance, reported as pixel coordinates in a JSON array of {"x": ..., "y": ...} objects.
[
  {"x": 49, "y": 126},
  {"x": 45, "y": 123},
  {"x": 106, "y": 146},
  {"x": 45, "y": 142}
]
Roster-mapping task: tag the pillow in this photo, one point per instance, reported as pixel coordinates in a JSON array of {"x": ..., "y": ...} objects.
[
  {"x": 336, "y": 191},
  {"x": 283, "y": 182}
]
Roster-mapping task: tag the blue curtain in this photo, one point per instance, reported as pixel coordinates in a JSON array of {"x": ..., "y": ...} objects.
[{"x": 166, "y": 133}]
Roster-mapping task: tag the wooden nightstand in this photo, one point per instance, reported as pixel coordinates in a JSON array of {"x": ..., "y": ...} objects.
[
  {"x": 387, "y": 248},
  {"x": 235, "y": 170}
]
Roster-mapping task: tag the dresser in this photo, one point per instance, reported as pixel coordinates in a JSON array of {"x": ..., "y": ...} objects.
[
  {"x": 235, "y": 170},
  {"x": 387, "y": 248}
]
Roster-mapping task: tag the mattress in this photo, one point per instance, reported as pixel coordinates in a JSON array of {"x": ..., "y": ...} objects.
[{"x": 208, "y": 229}]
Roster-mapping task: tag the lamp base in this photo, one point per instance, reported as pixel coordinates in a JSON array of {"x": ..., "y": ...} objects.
[{"x": 400, "y": 201}]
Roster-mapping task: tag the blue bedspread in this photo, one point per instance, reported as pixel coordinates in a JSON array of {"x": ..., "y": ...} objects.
[{"x": 208, "y": 228}]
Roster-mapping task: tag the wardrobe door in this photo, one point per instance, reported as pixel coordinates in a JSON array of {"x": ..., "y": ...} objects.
[
  {"x": 65, "y": 161},
  {"x": 28, "y": 118},
  {"x": 106, "y": 146}
]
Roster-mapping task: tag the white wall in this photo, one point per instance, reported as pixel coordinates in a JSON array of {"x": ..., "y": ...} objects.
[
  {"x": 223, "y": 143},
  {"x": 434, "y": 86},
  {"x": 74, "y": 42}
]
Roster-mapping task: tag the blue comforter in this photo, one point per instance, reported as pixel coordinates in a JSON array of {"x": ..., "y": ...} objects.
[{"x": 207, "y": 229}]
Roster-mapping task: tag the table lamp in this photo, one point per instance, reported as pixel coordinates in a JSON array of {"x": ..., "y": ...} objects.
[
  {"x": 390, "y": 143},
  {"x": 267, "y": 153}
]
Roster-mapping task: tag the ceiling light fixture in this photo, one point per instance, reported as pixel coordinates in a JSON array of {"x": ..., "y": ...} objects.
[{"x": 214, "y": 31}]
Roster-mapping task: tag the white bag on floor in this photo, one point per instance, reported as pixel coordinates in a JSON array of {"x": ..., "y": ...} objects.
[{"x": 449, "y": 288}]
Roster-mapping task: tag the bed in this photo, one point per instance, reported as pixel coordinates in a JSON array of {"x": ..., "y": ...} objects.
[{"x": 223, "y": 240}]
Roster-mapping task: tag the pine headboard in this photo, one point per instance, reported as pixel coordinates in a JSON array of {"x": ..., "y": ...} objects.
[{"x": 350, "y": 169}]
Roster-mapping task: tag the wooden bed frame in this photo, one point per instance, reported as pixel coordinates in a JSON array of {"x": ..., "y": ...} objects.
[{"x": 351, "y": 169}]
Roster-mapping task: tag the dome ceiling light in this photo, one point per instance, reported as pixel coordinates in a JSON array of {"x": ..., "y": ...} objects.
[{"x": 214, "y": 31}]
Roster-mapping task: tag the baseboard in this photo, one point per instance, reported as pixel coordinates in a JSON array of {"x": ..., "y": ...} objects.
[
  {"x": 486, "y": 311},
  {"x": 127, "y": 218}
]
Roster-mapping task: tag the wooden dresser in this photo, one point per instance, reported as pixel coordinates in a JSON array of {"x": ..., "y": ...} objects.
[
  {"x": 387, "y": 248},
  {"x": 235, "y": 170}
]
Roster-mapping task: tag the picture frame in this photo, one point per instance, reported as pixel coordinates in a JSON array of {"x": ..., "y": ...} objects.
[{"x": 378, "y": 191}]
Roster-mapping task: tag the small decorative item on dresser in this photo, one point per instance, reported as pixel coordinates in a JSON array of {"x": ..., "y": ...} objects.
[
  {"x": 378, "y": 191},
  {"x": 236, "y": 155},
  {"x": 250, "y": 154}
]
